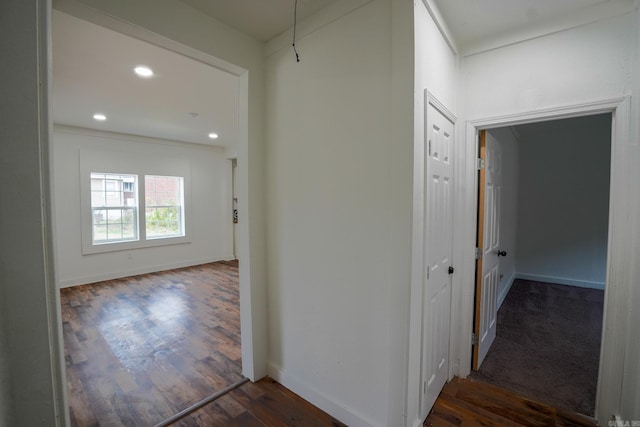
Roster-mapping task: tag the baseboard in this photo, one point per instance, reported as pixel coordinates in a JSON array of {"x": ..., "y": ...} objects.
[
  {"x": 77, "y": 281},
  {"x": 319, "y": 399},
  {"x": 561, "y": 281},
  {"x": 505, "y": 291}
]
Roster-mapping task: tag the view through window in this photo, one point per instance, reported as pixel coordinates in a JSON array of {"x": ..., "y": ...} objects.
[
  {"x": 115, "y": 199},
  {"x": 114, "y": 207},
  {"x": 163, "y": 206}
]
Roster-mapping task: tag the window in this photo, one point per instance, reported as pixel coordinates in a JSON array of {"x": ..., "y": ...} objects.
[
  {"x": 114, "y": 208},
  {"x": 163, "y": 202},
  {"x": 115, "y": 217},
  {"x": 138, "y": 200}
]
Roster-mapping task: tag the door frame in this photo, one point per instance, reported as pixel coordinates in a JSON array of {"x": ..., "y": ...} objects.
[
  {"x": 253, "y": 307},
  {"x": 618, "y": 279}
]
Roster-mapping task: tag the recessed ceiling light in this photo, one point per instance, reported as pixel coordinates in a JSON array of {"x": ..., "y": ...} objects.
[
  {"x": 100, "y": 117},
  {"x": 213, "y": 135},
  {"x": 143, "y": 71}
]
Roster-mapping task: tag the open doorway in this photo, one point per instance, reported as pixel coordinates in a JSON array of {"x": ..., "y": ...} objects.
[
  {"x": 546, "y": 234},
  {"x": 141, "y": 349},
  {"x": 138, "y": 151}
]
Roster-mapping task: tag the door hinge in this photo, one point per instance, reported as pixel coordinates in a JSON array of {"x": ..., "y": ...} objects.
[
  {"x": 424, "y": 387},
  {"x": 474, "y": 339},
  {"x": 480, "y": 164},
  {"x": 451, "y": 270},
  {"x": 429, "y": 147},
  {"x": 478, "y": 253},
  {"x": 428, "y": 269}
]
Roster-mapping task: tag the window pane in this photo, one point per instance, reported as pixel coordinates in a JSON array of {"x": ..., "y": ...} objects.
[
  {"x": 99, "y": 232},
  {"x": 164, "y": 206},
  {"x": 114, "y": 207},
  {"x": 114, "y": 231}
]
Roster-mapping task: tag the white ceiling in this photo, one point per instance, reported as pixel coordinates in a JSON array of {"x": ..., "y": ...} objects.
[
  {"x": 473, "y": 21},
  {"x": 261, "y": 19},
  {"x": 92, "y": 66},
  {"x": 93, "y": 73}
]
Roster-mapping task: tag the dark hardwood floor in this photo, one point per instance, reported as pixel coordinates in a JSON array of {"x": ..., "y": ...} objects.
[
  {"x": 263, "y": 404},
  {"x": 140, "y": 349},
  {"x": 474, "y": 403}
]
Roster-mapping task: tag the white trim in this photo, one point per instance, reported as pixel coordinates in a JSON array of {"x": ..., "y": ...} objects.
[
  {"x": 560, "y": 281},
  {"x": 414, "y": 371},
  {"x": 623, "y": 203},
  {"x": 326, "y": 403},
  {"x": 52, "y": 293},
  {"x": 621, "y": 262},
  {"x": 429, "y": 98},
  {"x": 590, "y": 108},
  {"x": 441, "y": 24}
]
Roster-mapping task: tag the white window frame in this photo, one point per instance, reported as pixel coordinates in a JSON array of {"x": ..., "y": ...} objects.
[
  {"x": 140, "y": 163},
  {"x": 155, "y": 206},
  {"x": 123, "y": 206}
]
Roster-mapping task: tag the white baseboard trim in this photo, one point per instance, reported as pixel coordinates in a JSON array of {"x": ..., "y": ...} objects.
[
  {"x": 505, "y": 290},
  {"x": 319, "y": 399},
  {"x": 418, "y": 423},
  {"x": 77, "y": 281},
  {"x": 561, "y": 281}
]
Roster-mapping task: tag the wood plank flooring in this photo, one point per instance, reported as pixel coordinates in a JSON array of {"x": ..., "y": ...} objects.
[
  {"x": 263, "y": 404},
  {"x": 474, "y": 403},
  {"x": 140, "y": 349}
]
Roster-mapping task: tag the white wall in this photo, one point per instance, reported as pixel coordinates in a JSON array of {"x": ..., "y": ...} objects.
[
  {"x": 436, "y": 64},
  {"x": 570, "y": 68},
  {"x": 436, "y": 70},
  {"x": 26, "y": 277},
  {"x": 338, "y": 212},
  {"x": 209, "y": 225},
  {"x": 509, "y": 215},
  {"x": 563, "y": 201},
  {"x": 582, "y": 64}
]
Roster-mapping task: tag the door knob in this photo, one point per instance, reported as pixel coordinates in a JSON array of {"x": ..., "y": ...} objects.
[{"x": 502, "y": 253}]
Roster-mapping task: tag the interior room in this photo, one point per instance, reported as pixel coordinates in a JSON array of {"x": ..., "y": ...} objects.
[
  {"x": 150, "y": 161},
  {"x": 356, "y": 183},
  {"x": 553, "y": 227}
]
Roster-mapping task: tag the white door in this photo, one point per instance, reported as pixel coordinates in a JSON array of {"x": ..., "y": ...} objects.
[
  {"x": 487, "y": 269},
  {"x": 438, "y": 249}
]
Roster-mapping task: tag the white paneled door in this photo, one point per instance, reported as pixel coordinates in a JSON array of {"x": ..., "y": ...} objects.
[
  {"x": 438, "y": 241},
  {"x": 487, "y": 269}
]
